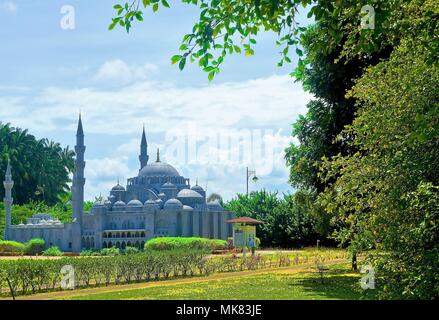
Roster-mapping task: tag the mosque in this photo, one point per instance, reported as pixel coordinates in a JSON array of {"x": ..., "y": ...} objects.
[{"x": 157, "y": 202}]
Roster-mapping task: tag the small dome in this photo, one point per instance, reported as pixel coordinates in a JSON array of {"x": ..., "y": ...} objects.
[
  {"x": 119, "y": 204},
  {"x": 188, "y": 193},
  {"x": 187, "y": 208},
  {"x": 173, "y": 204},
  {"x": 197, "y": 188},
  {"x": 118, "y": 187},
  {"x": 135, "y": 203}
]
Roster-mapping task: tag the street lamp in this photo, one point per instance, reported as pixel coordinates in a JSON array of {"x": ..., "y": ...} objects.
[{"x": 251, "y": 173}]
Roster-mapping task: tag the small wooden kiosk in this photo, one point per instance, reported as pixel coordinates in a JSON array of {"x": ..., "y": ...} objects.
[{"x": 244, "y": 232}]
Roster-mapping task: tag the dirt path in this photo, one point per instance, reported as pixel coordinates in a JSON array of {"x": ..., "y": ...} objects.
[{"x": 113, "y": 288}]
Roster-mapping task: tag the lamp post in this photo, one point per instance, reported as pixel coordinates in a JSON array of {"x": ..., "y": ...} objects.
[{"x": 251, "y": 173}]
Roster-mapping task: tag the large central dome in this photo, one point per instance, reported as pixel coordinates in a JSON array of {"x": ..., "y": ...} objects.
[{"x": 159, "y": 169}]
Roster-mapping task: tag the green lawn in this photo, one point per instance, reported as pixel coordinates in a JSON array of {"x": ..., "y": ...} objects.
[{"x": 339, "y": 283}]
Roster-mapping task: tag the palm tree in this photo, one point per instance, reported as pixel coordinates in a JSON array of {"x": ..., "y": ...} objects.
[{"x": 215, "y": 196}]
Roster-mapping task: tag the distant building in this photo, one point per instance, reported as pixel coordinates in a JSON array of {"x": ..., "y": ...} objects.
[{"x": 157, "y": 202}]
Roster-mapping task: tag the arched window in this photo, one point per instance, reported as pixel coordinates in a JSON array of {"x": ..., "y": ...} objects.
[
  {"x": 104, "y": 244},
  {"x": 123, "y": 245},
  {"x": 118, "y": 244}
]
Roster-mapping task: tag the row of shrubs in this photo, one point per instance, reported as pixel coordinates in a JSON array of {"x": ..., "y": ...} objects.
[
  {"x": 164, "y": 244},
  {"x": 29, "y": 276},
  {"x": 32, "y": 247},
  {"x": 172, "y": 243}
]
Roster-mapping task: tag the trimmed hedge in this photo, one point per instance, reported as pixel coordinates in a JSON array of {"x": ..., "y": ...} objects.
[
  {"x": 31, "y": 247},
  {"x": 11, "y": 246},
  {"x": 173, "y": 243}
]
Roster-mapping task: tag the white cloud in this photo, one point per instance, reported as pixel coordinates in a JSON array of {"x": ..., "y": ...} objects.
[
  {"x": 118, "y": 72},
  {"x": 8, "y": 6},
  {"x": 265, "y": 106}
]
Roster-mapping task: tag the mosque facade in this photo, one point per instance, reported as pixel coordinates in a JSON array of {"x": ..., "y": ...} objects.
[{"x": 157, "y": 202}]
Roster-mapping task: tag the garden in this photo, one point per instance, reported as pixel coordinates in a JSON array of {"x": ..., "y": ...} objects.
[{"x": 162, "y": 259}]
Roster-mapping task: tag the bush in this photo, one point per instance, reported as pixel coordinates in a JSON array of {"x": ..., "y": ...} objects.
[
  {"x": 11, "y": 247},
  {"x": 34, "y": 246},
  {"x": 113, "y": 251},
  {"x": 131, "y": 250},
  {"x": 52, "y": 252},
  {"x": 173, "y": 243}
]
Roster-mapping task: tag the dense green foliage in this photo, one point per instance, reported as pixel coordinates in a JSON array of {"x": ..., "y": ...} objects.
[
  {"x": 173, "y": 243},
  {"x": 287, "y": 221},
  {"x": 41, "y": 167},
  {"x": 52, "y": 252},
  {"x": 386, "y": 194}
]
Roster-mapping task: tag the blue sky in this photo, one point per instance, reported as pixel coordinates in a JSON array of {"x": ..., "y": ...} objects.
[{"x": 210, "y": 131}]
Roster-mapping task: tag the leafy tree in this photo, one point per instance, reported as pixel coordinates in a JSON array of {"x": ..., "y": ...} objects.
[
  {"x": 386, "y": 194},
  {"x": 328, "y": 78},
  {"x": 41, "y": 168}
]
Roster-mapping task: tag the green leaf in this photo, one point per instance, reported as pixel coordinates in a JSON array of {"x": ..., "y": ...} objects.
[
  {"x": 155, "y": 7},
  {"x": 175, "y": 59},
  {"x": 211, "y": 75},
  {"x": 182, "y": 63},
  {"x": 165, "y": 4}
]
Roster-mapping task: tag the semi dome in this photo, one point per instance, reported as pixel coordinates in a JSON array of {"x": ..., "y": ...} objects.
[
  {"x": 168, "y": 185},
  {"x": 119, "y": 204},
  {"x": 135, "y": 204},
  {"x": 188, "y": 193},
  {"x": 159, "y": 169},
  {"x": 187, "y": 208},
  {"x": 150, "y": 202},
  {"x": 118, "y": 187},
  {"x": 173, "y": 204}
]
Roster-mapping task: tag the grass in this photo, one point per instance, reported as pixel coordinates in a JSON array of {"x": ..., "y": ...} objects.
[{"x": 338, "y": 283}]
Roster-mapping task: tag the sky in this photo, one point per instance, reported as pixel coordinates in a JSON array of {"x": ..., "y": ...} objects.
[{"x": 209, "y": 131}]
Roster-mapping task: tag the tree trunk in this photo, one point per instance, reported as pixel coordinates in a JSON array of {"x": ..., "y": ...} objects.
[{"x": 354, "y": 261}]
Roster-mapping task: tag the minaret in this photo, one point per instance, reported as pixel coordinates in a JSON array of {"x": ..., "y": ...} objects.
[
  {"x": 8, "y": 184},
  {"x": 78, "y": 177},
  {"x": 143, "y": 158}
]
